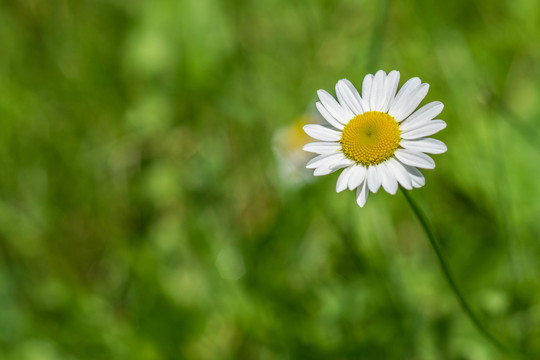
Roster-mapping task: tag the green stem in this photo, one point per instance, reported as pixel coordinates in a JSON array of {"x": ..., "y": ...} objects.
[{"x": 446, "y": 270}]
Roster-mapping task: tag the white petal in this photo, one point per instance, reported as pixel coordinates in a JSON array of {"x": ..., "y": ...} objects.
[
  {"x": 325, "y": 160},
  {"x": 400, "y": 173},
  {"x": 425, "y": 145},
  {"x": 322, "y": 147},
  {"x": 329, "y": 164},
  {"x": 413, "y": 158},
  {"x": 377, "y": 97},
  {"x": 422, "y": 115},
  {"x": 390, "y": 85},
  {"x": 373, "y": 179},
  {"x": 362, "y": 194},
  {"x": 403, "y": 95},
  {"x": 323, "y": 170},
  {"x": 320, "y": 132},
  {"x": 417, "y": 178},
  {"x": 358, "y": 174},
  {"x": 343, "y": 179},
  {"x": 350, "y": 96},
  {"x": 389, "y": 182},
  {"x": 341, "y": 163},
  {"x": 366, "y": 91},
  {"x": 412, "y": 102},
  {"x": 328, "y": 117},
  {"x": 340, "y": 100},
  {"x": 428, "y": 129},
  {"x": 343, "y": 115}
]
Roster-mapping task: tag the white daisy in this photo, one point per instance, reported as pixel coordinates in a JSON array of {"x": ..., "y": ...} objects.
[{"x": 376, "y": 137}]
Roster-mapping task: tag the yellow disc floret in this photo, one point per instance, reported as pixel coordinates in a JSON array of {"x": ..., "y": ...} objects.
[{"x": 371, "y": 138}]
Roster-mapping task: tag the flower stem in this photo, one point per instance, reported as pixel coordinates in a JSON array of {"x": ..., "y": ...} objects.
[{"x": 446, "y": 271}]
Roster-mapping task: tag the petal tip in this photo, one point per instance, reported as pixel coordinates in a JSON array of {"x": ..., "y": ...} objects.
[
  {"x": 443, "y": 124},
  {"x": 321, "y": 93}
]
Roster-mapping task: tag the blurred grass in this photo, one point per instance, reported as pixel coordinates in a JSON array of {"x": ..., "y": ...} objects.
[{"x": 145, "y": 215}]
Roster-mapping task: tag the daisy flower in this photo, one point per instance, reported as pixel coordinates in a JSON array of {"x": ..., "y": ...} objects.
[{"x": 377, "y": 138}]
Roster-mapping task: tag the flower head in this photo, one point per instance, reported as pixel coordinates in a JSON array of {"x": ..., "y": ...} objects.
[{"x": 377, "y": 138}]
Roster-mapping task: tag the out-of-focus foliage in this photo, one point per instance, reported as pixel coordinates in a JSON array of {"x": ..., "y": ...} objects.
[{"x": 153, "y": 203}]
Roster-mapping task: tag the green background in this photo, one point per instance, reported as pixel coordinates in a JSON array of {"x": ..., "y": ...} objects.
[{"x": 154, "y": 205}]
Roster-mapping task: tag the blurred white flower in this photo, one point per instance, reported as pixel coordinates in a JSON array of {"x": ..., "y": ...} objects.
[
  {"x": 287, "y": 143},
  {"x": 376, "y": 137}
]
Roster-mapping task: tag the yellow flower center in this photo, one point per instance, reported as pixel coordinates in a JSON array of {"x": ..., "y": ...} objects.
[{"x": 371, "y": 138}]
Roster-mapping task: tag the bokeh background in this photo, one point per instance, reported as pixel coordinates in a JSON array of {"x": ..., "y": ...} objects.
[{"x": 154, "y": 204}]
